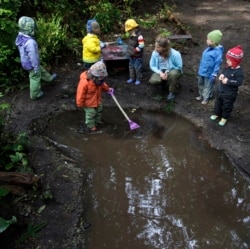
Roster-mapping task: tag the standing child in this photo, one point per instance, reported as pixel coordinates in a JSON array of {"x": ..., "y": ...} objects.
[
  {"x": 92, "y": 46},
  {"x": 166, "y": 63},
  {"x": 230, "y": 79},
  {"x": 209, "y": 66},
  {"x": 135, "y": 51},
  {"x": 89, "y": 94},
  {"x": 29, "y": 56}
]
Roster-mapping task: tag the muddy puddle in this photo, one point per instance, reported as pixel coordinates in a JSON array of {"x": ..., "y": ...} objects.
[{"x": 161, "y": 186}]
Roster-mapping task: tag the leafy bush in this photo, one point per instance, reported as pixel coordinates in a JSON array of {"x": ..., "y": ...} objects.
[
  {"x": 51, "y": 37},
  {"x": 9, "y": 64},
  {"x": 107, "y": 14}
]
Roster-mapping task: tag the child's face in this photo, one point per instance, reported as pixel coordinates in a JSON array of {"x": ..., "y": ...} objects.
[
  {"x": 210, "y": 43},
  {"x": 158, "y": 48},
  {"x": 229, "y": 63},
  {"x": 99, "y": 80}
]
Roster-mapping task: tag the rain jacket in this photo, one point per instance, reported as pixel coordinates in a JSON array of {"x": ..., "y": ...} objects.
[
  {"x": 28, "y": 50},
  {"x": 174, "y": 61},
  {"x": 91, "y": 48},
  {"x": 88, "y": 93},
  {"x": 235, "y": 78},
  {"x": 136, "y": 45},
  {"x": 210, "y": 61}
]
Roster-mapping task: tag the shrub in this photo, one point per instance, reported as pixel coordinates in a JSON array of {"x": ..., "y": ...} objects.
[{"x": 51, "y": 38}]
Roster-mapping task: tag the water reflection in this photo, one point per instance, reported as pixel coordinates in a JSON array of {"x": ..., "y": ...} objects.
[{"x": 165, "y": 189}]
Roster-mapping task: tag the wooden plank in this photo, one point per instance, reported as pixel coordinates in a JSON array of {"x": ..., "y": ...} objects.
[{"x": 177, "y": 37}]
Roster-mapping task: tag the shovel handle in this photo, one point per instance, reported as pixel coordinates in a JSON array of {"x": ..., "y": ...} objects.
[{"x": 124, "y": 113}]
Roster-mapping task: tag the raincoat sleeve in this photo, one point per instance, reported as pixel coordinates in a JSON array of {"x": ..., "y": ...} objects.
[
  {"x": 31, "y": 48},
  {"x": 105, "y": 87},
  {"x": 217, "y": 62},
  {"x": 154, "y": 62},
  {"x": 81, "y": 91},
  {"x": 176, "y": 60}
]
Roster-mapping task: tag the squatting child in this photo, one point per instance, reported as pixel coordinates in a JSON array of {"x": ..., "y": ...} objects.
[{"x": 166, "y": 63}]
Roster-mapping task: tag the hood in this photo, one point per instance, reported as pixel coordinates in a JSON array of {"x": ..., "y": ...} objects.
[
  {"x": 220, "y": 48},
  {"x": 22, "y": 39}
]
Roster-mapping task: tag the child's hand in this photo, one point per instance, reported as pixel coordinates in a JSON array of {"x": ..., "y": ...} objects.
[
  {"x": 221, "y": 77},
  {"x": 111, "y": 91},
  {"x": 164, "y": 76},
  {"x": 224, "y": 80}
]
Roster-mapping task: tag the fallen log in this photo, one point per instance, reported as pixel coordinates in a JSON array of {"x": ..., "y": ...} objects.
[
  {"x": 15, "y": 190},
  {"x": 20, "y": 178}
]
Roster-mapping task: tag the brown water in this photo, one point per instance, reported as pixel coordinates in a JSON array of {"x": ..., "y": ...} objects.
[{"x": 161, "y": 186}]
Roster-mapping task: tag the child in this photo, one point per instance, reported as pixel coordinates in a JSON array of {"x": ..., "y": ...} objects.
[
  {"x": 209, "y": 66},
  {"x": 166, "y": 63},
  {"x": 92, "y": 45},
  {"x": 29, "y": 56},
  {"x": 135, "y": 51},
  {"x": 89, "y": 94},
  {"x": 230, "y": 79}
]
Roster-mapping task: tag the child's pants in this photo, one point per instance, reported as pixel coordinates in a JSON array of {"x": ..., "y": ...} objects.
[
  {"x": 206, "y": 87},
  {"x": 172, "y": 80},
  {"x": 135, "y": 68},
  {"x": 224, "y": 104},
  {"x": 93, "y": 116},
  {"x": 35, "y": 81}
]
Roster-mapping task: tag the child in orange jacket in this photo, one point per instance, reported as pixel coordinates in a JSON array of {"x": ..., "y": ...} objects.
[{"x": 89, "y": 94}]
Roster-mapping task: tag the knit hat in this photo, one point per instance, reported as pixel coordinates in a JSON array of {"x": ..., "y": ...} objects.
[
  {"x": 98, "y": 69},
  {"x": 93, "y": 26},
  {"x": 130, "y": 24},
  {"x": 235, "y": 55},
  {"x": 215, "y": 36},
  {"x": 27, "y": 25}
]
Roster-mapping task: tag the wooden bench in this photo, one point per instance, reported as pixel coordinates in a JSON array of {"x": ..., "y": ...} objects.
[{"x": 180, "y": 37}]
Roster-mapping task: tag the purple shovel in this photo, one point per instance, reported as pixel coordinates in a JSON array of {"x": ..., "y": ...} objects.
[{"x": 132, "y": 124}]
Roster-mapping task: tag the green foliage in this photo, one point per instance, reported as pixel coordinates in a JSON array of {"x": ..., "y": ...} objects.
[
  {"x": 9, "y": 66},
  {"x": 13, "y": 153},
  {"x": 51, "y": 37},
  {"x": 32, "y": 232},
  {"x": 107, "y": 14},
  {"x": 4, "y": 192},
  {"x": 149, "y": 22},
  {"x": 170, "y": 106},
  {"x": 4, "y": 224}
]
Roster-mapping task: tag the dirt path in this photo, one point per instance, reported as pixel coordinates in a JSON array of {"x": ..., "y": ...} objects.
[
  {"x": 231, "y": 17},
  {"x": 233, "y": 20}
]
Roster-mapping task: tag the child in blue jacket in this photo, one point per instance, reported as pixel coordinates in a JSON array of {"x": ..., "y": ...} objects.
[
  {"x": 209, "y": 66},
  {"x": 29, "y": 56}
]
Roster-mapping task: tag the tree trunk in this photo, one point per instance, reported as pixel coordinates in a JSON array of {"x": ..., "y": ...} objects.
[{"x": 19, "y": 178}]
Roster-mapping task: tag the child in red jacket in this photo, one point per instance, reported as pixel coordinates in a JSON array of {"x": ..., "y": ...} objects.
[{"x": 89, "y": 94}]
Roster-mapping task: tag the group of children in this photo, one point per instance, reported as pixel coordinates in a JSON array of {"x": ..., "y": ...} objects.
[
  {"x": 229, "y": 80},
  {"x": 165, "y": 62}
]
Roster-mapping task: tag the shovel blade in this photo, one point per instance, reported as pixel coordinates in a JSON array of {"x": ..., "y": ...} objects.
[{"x": 133, "y": 125}]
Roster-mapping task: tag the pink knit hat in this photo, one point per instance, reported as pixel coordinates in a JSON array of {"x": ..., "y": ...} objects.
[{"x": 235, "y": 55}]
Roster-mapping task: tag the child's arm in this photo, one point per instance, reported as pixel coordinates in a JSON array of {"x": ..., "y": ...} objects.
[{"x": 140, "y": 44}]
